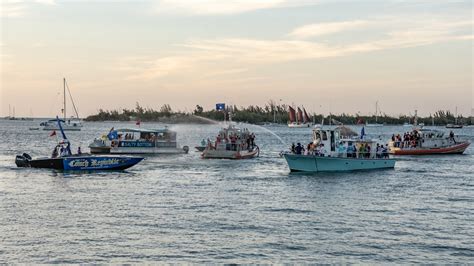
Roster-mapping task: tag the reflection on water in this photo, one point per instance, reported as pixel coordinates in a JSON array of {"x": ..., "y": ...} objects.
[{"x": 183, "y": 208}]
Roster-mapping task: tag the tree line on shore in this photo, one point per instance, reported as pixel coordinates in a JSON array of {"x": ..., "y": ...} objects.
[{"x": 269, "y": 113}]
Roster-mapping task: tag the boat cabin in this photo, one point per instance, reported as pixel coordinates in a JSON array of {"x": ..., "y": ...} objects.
[
  {"x": 143, "y": 138},
  {"x": 343, "y": 142}
]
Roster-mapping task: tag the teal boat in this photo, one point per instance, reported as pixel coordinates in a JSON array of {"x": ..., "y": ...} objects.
[
  {"x": 314, "y": 163},
  {"x": 338, "y": 150}
]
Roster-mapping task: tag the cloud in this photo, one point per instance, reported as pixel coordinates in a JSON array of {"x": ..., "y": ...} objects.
[
  {"x": 223, "y": 7},
  {"x": 319, "y": 29},
  {"x": 202, "y": 57},
  {"x": 19, "y": 8}
]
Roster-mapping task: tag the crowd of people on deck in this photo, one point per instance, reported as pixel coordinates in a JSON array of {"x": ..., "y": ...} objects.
[
  {"x": 234, "y": 140},
  {"x": 352, "y": 150},
  {"x": 409, "y": 140},
  {"x": 414, "y": 139}
]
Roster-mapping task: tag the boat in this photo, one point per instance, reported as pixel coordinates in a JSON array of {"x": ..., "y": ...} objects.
[
  {"x": 428, "y": 142},
  {"x": 455, "y": 125},
  {"x": 66, "y": 161},
  {"x": 335, "y": 153},
  {"x": 376, "y": 124},
  {"x": 138, "y": 141},
  {"x": 232, "y": 143},
  {"x": 298, "y": 120},
  {"x": 202, "y": 146},
  {"x": 34, "y": 128},
  {"x": 69, "y": 124}
]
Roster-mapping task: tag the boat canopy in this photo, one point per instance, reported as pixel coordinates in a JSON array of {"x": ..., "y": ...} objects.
[
  {"x": 431, "y": 132},
  {"x": 343, "y": 131}
]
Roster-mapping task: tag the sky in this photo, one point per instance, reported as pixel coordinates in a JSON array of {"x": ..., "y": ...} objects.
[{"x": 329, "y": 56}]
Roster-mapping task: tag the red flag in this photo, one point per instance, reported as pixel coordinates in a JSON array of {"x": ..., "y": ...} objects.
[
  {"x": 137, "y": 123},
  {"x": 53, "y": 133}
]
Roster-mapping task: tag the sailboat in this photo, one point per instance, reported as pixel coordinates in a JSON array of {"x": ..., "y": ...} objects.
[
  {"x": 376, "y": 117},
  {"x": 455, "y": 125},
  {"x": 70, "y": 124},
  {"x": 298, "y": 119}
]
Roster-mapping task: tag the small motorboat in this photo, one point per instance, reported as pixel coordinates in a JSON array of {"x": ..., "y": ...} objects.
[
  {"x": 78, "y": 162},
  {"x": 200, "y": 148},
  {"x": 34, "y": 128},
  {"x": 83, "y": 162},
  {"x": 454, "y": 126}
]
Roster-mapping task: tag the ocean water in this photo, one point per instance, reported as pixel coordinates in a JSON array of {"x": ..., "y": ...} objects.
[{"x": 185, "y": 209}]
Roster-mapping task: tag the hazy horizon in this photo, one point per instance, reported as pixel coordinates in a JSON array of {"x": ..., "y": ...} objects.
[{"x": 329, "y": 56}]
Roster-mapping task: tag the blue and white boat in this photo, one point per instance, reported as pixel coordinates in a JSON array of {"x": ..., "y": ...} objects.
[
  {"x": 76, "y": 162},
  {"x": 338, "y": 150}
]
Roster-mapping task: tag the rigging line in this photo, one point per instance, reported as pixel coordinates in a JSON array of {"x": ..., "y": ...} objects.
[{"x": 73, "y": 104}]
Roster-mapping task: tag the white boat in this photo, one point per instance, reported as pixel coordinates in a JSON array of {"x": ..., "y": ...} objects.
[
  {"x": 298, "y": 120},
  {"x": 376, "y": 124},
  {"x": 232, "y": 143},
  {"x": 138, "y": 141},
  {"x": 338, "y": 150},
  {"x": 427, "y": 142},
  {"x": 455, "y": 125},
  {"x": 69, "y": 124}
]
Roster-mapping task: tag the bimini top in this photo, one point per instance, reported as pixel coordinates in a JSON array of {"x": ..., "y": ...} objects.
[
  {"x": 430, "y": 133},
  {"x": 139, "y": 130},
  {"x": 344, "y": 132}
]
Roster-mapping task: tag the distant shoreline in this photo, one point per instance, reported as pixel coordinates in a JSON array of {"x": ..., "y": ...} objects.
[{"x": 268, "y": 114}]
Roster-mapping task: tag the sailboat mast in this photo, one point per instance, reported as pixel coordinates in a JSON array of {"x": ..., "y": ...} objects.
[
  {"x": 376, "y": 111},
  {"x": 64, "y": 98},
  {"x": 456, "y": 116}
]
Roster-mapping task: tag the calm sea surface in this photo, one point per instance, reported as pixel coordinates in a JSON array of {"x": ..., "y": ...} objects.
[{"x": 185, "y": 209}]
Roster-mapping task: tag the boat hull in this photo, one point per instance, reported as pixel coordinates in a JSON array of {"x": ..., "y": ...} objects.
[
  {"x": 295, "y": 125},
  {"x": 314, "y": 164},
  {"x": 84, "y": 163},
  {"x": 453, "y": 149},
  {"x": 149, "y": 151},
  {"x": 65, "y": 127},
  {"x": 226, "y": 154},
  {"x": 200, "y": 148}
]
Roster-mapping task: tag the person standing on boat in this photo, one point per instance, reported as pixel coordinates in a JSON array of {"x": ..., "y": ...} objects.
[
  {"x": 79, "y": 150},
  {"x": 322, "y": 150},
  {"x": 55, "y": 152},
  {"x": 299, "y": 149},
  {"x": 451, "y": 136}
]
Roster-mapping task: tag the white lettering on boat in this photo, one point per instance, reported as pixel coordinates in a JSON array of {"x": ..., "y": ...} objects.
[{"x": 94, "y": 163}]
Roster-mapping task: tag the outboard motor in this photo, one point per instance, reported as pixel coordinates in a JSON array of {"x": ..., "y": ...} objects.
[
  {"x": 23, "y": 160},
  {"x": 186, "y": 149}
]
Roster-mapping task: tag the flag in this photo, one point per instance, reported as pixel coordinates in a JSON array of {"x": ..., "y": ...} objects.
[
  {"x": 138, "y": 123},
  {"x": 112, "y": 135},
  {"x": 53, "y": 133},
  {"x": 362, "y": 133},
  {"x": 220, "y": 106}
]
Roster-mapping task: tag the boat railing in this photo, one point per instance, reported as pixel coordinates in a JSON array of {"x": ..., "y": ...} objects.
[{"x": 345, "y": 154}]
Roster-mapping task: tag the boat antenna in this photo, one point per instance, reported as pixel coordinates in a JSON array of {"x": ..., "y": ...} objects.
[{"x": 72, "y": 101}]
